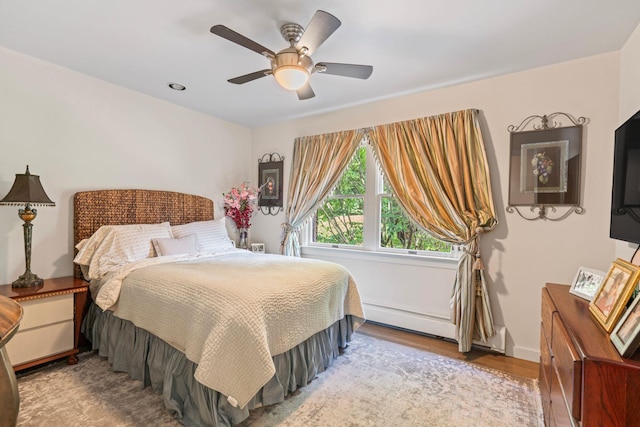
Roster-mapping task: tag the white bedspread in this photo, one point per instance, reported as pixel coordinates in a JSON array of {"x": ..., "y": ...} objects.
[{"x": 232, "y": 312}]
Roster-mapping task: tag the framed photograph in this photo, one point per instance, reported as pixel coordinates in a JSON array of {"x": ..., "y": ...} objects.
[
  {"x": 626, "y": 334},
  {"x": 586, "y": 282},
  {"x": 612, "y": 296},
  {"x": 545, "y": 167},
  {"x": 257, "y": 248},
  {"x": 270, "y": 183},
  {"x": 635, "y": 259}
]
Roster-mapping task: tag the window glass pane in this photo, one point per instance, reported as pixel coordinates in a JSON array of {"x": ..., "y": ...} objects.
[
  {"x": 354, "y": 179},
  {"x": 398, "y": 231},
  {"x": 340, "y": 221},
  {"x": 386, "y": 188}
]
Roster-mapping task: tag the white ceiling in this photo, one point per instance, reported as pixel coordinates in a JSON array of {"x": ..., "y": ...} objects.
[{"x": 413, "y": 45}]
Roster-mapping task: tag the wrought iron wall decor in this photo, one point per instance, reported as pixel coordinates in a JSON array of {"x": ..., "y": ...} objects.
[
  {"x": 544, "y": 167},
  {"x": 270, "y": 168}
]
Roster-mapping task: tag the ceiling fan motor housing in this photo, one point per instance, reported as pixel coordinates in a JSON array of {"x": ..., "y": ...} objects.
[
  {"x": 291, "y": 57},
  {"x": 292, "y": 32}
]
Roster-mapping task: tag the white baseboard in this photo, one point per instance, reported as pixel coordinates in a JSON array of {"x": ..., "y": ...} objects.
[
  {"x": 526, "y": 354},
  {"x": 428, "y": 324}
]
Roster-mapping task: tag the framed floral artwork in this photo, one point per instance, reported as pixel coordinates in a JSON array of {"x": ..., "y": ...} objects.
[
  {"x": 614, "y": 293},
  {"x": 545, "y": 166},
  {"x": 586, "y": 282},
  {"x": 626, "y": 334},
  {"x": 270, "y": 183}
]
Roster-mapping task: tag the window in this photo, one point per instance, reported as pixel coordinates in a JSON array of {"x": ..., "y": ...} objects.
[
  {"x": 362, "y": 213},
  {"x": 341, "y": 219}
]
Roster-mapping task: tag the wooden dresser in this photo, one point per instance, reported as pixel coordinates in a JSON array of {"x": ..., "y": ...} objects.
[{"x": 583, "y": 379}]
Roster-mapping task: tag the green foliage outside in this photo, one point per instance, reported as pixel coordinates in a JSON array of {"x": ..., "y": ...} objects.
[
  {"x": 341, "y": 219},
  {"x": 398, "y": 231}
]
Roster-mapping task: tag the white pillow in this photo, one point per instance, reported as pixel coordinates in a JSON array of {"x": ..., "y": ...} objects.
[
  {"x": 183, "y": 245},
  {"x": 211, "y": 235},
  {"x": 116, "y": 245}
]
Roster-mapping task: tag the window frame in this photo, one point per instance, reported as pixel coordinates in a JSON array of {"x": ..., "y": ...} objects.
[{"x": 372, "y": 203}]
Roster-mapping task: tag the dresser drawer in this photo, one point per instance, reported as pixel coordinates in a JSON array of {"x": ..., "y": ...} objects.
[
  {"x": 567, "y": 366},
  {"x": 45, "y": 311},
  {"x": 547, "y": 315},
  {"x": 545, "y": 363},
  {"x": 546, "y": 370},
  {"x": 559, "y": 413}
]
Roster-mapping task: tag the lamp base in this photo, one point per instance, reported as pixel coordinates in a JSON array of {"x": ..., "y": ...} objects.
[{"x": 28, "y": 279}]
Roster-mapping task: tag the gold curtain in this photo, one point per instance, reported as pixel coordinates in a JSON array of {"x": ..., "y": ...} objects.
[
  {"x": 437, "y": 168},
  {"x": 318, "y": 162}
]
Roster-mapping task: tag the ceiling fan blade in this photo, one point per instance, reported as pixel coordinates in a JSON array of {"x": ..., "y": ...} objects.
[
  {"x": 226, "y": 33},
  {"x": 321, "y": 26},
  {"x": 250, "y": 77},
  {"x": 346, "y": 70},
  {"x": 305, "y": 92}
]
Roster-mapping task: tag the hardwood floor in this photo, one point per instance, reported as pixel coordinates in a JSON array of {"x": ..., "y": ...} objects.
[{"x": 510, "y": 365}]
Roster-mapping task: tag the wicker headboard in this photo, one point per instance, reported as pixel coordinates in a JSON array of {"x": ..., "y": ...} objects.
[{"x": 93, "y": 209}]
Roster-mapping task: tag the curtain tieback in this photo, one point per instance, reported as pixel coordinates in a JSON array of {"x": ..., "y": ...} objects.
[
  {"x": 286, "y": 229},
  {"x": 478, "y": 264}
]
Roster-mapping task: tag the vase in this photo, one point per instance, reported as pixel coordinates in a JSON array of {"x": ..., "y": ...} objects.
[{"x": 243, "y": 241}]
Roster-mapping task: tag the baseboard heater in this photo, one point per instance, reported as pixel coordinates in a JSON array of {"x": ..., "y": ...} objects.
[{"x": 432, "y": 325}]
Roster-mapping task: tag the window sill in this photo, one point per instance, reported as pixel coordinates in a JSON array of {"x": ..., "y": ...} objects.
[{"x": 445, "y": 261}]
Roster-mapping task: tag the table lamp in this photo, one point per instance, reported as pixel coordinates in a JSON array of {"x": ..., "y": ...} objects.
[{"x": 27, "y": 190}]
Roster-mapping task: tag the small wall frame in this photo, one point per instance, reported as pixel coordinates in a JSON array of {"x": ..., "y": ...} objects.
[
  {"x": 544, "y": 166},
  {"x": 270, "y": 176}
]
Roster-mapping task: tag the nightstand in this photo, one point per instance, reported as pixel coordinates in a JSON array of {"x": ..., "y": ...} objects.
[{"x": 50, "y": 327}]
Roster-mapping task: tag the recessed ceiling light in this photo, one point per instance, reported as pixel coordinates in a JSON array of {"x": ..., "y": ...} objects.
[{"x": 177, "y": 86}]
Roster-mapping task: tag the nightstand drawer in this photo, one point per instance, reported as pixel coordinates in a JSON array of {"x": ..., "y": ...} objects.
[
  {"x": 39, "y": 342},
  {"x": 45, "y": 311}
]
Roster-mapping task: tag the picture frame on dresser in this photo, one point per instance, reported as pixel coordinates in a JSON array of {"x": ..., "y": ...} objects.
[
  {"x": 614, "y": 293},
  {"x": 586, "y": 282},
  {"x": 626, "y": 334},
  {"x": 257, "y": 248}
]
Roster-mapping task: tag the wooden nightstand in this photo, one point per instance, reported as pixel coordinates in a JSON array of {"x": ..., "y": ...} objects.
[{"x": 50, "y": 327}]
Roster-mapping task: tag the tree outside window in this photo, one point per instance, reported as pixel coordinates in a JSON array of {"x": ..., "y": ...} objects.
[{"x": 343, "y": 217}]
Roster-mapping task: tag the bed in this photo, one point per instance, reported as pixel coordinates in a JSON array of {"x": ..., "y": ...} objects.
[{"x": 217, "y": 331}]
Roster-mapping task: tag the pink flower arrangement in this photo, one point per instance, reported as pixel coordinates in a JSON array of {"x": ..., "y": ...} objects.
[{"x": 239, "y": 205}]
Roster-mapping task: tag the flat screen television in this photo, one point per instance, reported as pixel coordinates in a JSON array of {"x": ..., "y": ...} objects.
[{"x": 625, "y": 200}]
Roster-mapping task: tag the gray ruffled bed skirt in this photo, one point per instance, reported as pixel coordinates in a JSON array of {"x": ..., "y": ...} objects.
[{"x": 149, "y": 359}]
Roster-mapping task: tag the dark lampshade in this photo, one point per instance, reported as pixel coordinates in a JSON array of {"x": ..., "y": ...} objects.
[{"x": 27, "y": 190}]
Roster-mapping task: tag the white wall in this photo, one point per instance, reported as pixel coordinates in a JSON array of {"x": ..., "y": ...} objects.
[
  {"x": 520, "y": 255},
  {"x": 80, "y": 133},
  {"x": 629, "y": 104}
]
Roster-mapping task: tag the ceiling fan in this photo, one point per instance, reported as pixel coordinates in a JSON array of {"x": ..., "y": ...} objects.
[{"x": 293, "y": 66}]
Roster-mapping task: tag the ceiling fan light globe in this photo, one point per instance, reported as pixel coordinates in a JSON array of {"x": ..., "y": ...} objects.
[{"x": 291, "y": 77}]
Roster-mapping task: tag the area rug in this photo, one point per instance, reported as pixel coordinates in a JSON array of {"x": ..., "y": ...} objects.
[{"x": 373, "y": 383}]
